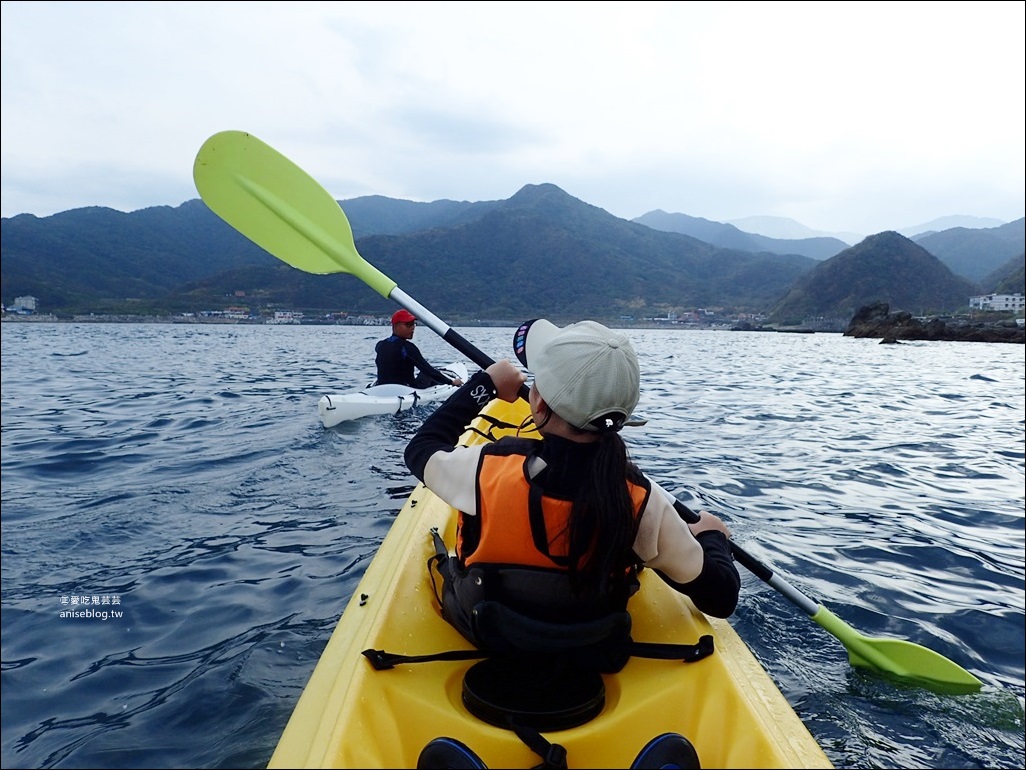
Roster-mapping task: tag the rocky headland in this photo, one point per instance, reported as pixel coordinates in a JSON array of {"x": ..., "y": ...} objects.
[{"x": 876, "y": 321}]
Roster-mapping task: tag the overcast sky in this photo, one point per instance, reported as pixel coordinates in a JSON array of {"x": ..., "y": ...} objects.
[{"x": 845, "y": 116}]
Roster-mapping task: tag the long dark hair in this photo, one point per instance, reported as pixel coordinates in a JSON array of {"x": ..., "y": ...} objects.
[{"x": 602, "y": 525}]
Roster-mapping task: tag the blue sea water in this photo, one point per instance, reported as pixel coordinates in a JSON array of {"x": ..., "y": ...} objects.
[{"x": 172, "y": 485}]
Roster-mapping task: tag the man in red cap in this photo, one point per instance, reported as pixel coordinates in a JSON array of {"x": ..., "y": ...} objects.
[{"x": 397, "y": 356}]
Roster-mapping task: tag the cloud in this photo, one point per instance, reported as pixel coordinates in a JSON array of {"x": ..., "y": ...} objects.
[{"x": 846, "y": 116}]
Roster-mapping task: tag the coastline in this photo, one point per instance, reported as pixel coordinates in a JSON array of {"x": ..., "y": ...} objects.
[
  {"x": 383, "y": 321},
  {"x": 887, "y": 327}
]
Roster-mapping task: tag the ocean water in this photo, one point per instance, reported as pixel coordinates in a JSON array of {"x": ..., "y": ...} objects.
[{"x": 180, "y": 534}]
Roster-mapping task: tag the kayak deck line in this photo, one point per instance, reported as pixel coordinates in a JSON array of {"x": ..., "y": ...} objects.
[{"x": 353, "y": 716}]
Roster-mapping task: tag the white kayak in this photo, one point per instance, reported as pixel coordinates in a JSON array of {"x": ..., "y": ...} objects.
[{"x": 335, "y": 408}]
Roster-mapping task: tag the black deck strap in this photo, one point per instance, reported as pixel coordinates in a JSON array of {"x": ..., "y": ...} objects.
[
  {"x": 440, "y": 547},
  {"x": 687, "y": 653},
  {"x": 434, "y": 565},
  {"x": 382, "y": 661},
  {"x": 553, "y": 755},
  {"x": 488, "y": 437},
  {"x": 495, "y": 423}
]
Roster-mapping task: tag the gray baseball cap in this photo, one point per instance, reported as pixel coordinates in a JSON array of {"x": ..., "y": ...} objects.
[{"x": 586, "y": 373}]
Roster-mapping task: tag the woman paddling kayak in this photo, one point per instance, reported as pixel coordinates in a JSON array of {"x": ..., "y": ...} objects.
[{"x": 552, "y": 534}]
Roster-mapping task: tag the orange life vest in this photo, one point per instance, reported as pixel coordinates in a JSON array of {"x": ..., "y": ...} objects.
[
  {"x": 510, "y": 528},
  {"x": 508, "y": 590}
]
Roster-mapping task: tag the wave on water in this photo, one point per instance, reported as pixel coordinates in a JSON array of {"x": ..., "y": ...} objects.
[{"x": 179, "y": 476}]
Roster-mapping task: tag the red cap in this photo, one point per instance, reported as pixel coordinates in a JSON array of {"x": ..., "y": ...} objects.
[{"x": 403, "y": 317}]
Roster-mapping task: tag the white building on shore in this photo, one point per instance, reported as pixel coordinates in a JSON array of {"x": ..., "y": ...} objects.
[
  {"x": 1008, "y": 303},
  {"x": 25, "y": 304}
]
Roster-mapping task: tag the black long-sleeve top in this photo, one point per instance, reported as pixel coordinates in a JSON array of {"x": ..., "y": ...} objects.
[{"x": 396, "y": 358}]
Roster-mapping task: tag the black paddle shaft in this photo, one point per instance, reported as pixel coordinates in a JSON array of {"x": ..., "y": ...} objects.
[
  {"x": 750, "y": 563},
  {"x": 479, "y": 357}
]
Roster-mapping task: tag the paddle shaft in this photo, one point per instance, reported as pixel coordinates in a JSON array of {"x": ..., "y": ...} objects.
[
  {"x": 756, "y": 567},
  {"x": 446, "y": 332}
]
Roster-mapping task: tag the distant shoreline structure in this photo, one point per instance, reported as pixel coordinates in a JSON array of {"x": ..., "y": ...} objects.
[
  {"x": 836, "y": 326},
  {"x": 894, "y": 328}
]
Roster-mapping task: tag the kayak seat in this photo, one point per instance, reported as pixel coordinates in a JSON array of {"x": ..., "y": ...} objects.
[
  {"x": 448, "y": 753},
  {"x": 600, "y": 644},
  {"x": 668, "y": 750},
  {"x": 542, "y": 694}
]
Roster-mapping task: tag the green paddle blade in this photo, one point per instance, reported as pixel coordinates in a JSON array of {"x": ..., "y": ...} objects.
[
  {"x": 900, "y": 658},
  {"x": 281, "y": 208}
]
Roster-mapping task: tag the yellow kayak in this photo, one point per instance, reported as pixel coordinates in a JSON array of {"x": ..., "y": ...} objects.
[{"x": 351, "y": 715}]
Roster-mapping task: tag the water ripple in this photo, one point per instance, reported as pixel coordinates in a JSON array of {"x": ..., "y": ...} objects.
[{"x": 182, "y": 471}]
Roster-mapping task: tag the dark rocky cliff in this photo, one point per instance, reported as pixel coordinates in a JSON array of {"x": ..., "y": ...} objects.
[{"x": 877, "y": 321}]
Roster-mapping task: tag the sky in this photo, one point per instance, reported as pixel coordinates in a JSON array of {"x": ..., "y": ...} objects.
[{"x": 853, "y": 117}]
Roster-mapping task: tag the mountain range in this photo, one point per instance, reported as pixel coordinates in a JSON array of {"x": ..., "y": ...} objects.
[
  {"x": 540, "y": 252},
  {"x": 782, "y": 227}
]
